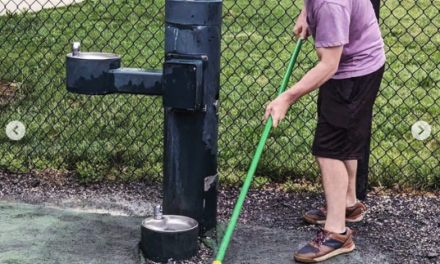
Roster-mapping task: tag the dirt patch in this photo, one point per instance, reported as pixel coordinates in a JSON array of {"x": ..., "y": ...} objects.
[{"x": 8, "y": 92}]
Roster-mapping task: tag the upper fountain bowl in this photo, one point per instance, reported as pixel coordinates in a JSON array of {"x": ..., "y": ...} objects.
[
  {"x": 94, "y": 56},
  {"x": 88, "y": 72}
]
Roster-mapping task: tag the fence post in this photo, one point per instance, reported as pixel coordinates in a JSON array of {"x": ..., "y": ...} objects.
[
  {"x": 362, "y": 169},
  {"x": 376, "y": 6}
]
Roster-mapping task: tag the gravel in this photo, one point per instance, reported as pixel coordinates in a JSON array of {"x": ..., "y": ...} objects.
[{"x": 406, "y": 226}]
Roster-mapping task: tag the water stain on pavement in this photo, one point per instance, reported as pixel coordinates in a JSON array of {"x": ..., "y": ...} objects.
[{"x": 36, "y": 234}]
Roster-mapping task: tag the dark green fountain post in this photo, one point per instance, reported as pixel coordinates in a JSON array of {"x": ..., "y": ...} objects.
[
  {"x": 191, "y": 78},
  {"x": 362, "y": 169}
]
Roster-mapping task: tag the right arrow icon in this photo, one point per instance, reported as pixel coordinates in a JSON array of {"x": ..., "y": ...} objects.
[{"x": 421, "y": 130}]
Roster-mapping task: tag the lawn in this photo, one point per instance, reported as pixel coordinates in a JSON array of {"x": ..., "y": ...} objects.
[{"x": 120, "y": 136}]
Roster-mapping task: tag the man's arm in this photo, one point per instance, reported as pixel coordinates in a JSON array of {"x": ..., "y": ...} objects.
[
  {"x": 332, "y": 23},
  {"x": 328, "y": 65}
]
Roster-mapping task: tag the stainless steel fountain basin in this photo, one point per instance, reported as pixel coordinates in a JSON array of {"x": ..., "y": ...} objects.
[
  {"x": 94, "y": 56},
  {"x": 170, "y": 237},
  {"x": 170, "y": 224}
]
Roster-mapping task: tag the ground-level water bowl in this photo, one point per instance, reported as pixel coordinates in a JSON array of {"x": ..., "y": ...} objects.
[{"x": 165, "y": 237}]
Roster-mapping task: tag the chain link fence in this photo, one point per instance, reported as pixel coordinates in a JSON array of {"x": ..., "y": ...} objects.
[{"x": 119, "y": 137}]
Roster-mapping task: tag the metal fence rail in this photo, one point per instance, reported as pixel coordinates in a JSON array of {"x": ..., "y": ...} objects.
[{"x": 119, "y": 137}]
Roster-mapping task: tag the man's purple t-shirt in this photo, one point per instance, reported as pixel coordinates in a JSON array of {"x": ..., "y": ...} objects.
[{"x": 352, "y": 24}]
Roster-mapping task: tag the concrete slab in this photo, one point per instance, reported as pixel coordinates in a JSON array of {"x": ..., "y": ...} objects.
[{"x": 18, "y": 6}]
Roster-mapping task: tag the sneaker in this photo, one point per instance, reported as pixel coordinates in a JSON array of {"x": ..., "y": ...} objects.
[
  {"x": 326, "y": 245},
  {"x": 353, "y": 214}
]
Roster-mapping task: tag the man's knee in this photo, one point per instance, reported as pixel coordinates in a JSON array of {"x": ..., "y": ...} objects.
[
  {"x": 319, "y": 159},
  {"x": 323, "y": 160}
]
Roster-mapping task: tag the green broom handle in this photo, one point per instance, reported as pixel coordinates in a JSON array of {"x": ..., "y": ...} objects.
[{"x": 231, "y": 226}]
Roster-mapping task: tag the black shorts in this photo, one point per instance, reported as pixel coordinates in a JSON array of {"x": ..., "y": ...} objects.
[{"x": 345, "y": 110}]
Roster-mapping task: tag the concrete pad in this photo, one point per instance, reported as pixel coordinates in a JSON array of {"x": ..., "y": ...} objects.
[
  {"x": 32, "y": 234},
  {"x": 18, "y": 6},
  {"x": 259, "y": 245}
]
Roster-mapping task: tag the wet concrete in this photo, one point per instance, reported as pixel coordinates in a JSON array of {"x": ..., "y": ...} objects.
[{"x": 35, "y": 234}]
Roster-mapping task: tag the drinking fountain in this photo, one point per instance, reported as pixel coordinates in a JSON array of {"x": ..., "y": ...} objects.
[{"x": 189, "y": 86}]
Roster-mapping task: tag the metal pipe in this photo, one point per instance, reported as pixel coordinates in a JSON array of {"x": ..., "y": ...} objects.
[{"x": 135, "y": 81}]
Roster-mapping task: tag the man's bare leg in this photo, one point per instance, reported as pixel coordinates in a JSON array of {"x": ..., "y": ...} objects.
[
  {"x": 351, "y": 166},
  {"x": 335, "y": 182}
]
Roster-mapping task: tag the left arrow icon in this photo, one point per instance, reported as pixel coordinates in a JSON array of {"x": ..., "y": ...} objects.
[{"x": 15, "y": 130}]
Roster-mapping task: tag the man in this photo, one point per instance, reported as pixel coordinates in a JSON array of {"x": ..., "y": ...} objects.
[{"x": 351, "y": 63}]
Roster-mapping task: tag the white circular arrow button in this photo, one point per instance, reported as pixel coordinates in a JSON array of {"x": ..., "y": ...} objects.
[
  {"x": 15, "y": 130},
  {"x": 421, "y": 130}
]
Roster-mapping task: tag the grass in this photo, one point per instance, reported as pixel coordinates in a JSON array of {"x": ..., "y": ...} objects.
[{"x": 120, "y": 136}]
